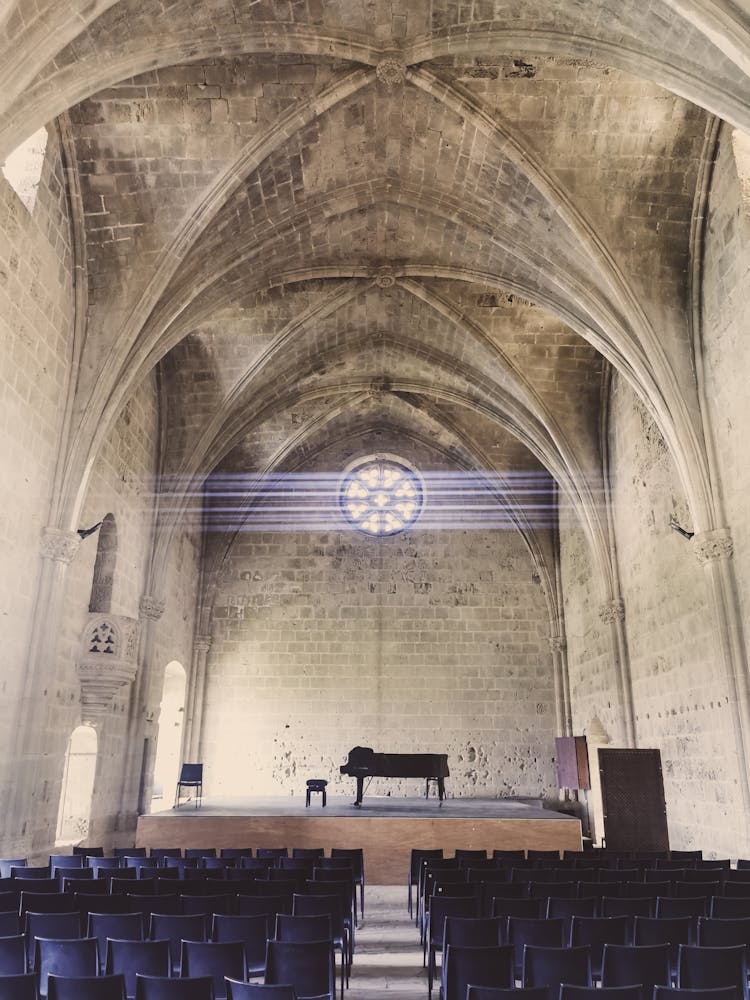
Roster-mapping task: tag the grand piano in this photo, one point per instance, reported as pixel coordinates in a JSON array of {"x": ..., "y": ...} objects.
[{"x": 363, "y": 762}]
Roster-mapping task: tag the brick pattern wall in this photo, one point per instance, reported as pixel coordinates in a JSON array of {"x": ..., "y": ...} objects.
[
  {"x": 679, "y": 690},
  {"x": 423, "y": 642},
  {"x": 36, "y": 325}
]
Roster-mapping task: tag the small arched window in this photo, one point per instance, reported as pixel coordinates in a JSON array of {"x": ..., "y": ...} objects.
[{"x": 74, "y": 814}]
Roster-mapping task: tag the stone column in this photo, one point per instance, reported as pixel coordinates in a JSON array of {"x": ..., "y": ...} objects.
[
  {"x": 714, "y": 550},
  {"x": 193, "y": 734},
  {"x": 563, "y": 715},
  {"x": 135, "y": 793},
  {"x": 612, "y": 613},
  {"x": 58, "y": 549}
]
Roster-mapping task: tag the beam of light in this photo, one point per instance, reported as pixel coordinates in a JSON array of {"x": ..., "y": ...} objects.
[{"x": 303, "y": 501}]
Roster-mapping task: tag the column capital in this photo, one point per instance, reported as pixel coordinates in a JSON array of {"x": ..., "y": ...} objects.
[
  {"x": 711, "y": 545},
  {"x": 202, "y": 643},
  {"x": 59, "y": 545},
  {"x": 151, "y": 607},
  {"x": 612, "y": 611}
]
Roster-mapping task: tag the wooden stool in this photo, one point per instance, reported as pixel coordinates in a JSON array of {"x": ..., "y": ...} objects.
[{"x": 315, "y": 785}]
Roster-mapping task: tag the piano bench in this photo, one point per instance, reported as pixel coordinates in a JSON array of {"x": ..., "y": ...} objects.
[{"x": 315, "y": 785}]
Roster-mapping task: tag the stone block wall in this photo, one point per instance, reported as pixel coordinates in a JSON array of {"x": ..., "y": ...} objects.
[
  {"x": 36, "y": 333},
  {"x": 726, "y": 307},
  {"x": 679, "y": 690},
  {"x": 427, "y": 641}
]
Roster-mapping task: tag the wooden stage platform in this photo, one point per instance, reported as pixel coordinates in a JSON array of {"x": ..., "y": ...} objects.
[{"x": 386, "y": 828}]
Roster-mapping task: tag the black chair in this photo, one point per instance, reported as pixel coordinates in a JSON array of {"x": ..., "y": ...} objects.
[
  {"x": 552, "y": 966},
  {"x": 86, "y": 987},
  {"x": 693, "y": 906},
  {"x": 259, "y": 991},
  {"x": 208, "y": 903},
  {"x": 272, "y": 852},
  {"x": 440, "y": 907},
  {"x": 701, "y": 967},
  {"x": 19, "y": 987},
  {"x": 10, "y": 923},
  {"x": 523, "y": 932},
  {"x": 252, "y": 930},
  {"x": 632, "y": 965},
  {"x": 312, "y": 927},
  {"x": 675, "y": 993},
  {"x": 713, "y": 932},
  {"x": 510, "y": 993},
  {"x": 596, "y": 932},
  {"x": 565, "y": 909},
  {"x": 357, "y": 857},
  {"x": 8, "y": 864},
  {"x": 673, "y": 931},
  {"x": 158, "y": 854},
  {"x": 218, "y": 959},
  {"x": 463, "y": 966},
  {"x": 58, "y": 926},
  {"x": 163, "y": 988},
  {"x": 191, "y": 776},
  {"x": 729, "y": 908},
  {"x": 305, "y": 905},
  {"x": 64, "y": 957},
  {"x": 175, "y": 928},
  {"x": 308, "y": 966},
  {"x": 13, "y": 955},
  {"x": 570, "y": 992},
  {"x": 125, "y": 926},
  {"x": 418, "y": 857},
  {"x": 150, "y": 958},
  {"x": 528, "y": 909}
]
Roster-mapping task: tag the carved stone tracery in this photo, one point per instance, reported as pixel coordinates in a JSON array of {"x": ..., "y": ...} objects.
[{"x": 108, "y": 660}]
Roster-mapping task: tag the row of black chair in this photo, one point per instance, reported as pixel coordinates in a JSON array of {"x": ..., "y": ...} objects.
[{"x": 307, "y": 966}]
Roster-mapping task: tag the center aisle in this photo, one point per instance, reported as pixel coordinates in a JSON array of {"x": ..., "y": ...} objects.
[{"x": 388, "y": 957}]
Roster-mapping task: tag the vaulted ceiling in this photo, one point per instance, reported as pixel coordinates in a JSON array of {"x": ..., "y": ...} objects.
[{"x": 379, "y": 221}]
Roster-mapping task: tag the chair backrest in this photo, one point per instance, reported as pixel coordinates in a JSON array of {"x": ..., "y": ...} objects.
[
  {"x": 126, "y": 926},
  {"x": 511, "y": 993},
  {"x": 596, "y": 932},
  {"x": 702, "y": 967},
  {"x": 523, "y": 931},
  {"x": 570, "y": 992},
  {"x": 8, "y": 864},
  {"x": 553, "y": 966},
  {"x": 50, "y": 925},
  {"x": 45, "y": 902},
  {"x": 485, "y": 932},
  {"x": 272, "y": 852},
  {"x": 310, "y": 927},
  {"x": 528, "y": 909},
  {"x": 159, "y": 853},
  {"x": 86, "y": 987},
  {"x": 629, "y": 965},
  {"x": 441, "y": 907},
  {"x": 65, "y": 861},
  {"x": 209, "y": 903},
  {"x": 237, "y": 990},
  {"x": 165, "y": 988},
  {"x": 65, "y": 957},
  {"x": 253, "y": 930},
  {"x": 480, "y": 966},
  {"x": 191, "y": 774},
  {"x": 13, "y": 957},
  {"x": 305, "y": 965},
  {"x": 715, "y": 932},
  {"x": 176, "y": 927},
  {"x": 674, "y": 993},
  {"x": 217, "y": 959},
  {"x": 10, "y": 923},
  {"x": 19, "y": 987},
  {"x": 265, "y": 903},
  {"x": 131, "y": 957},
  {"x": 694, "y": 906},
  {"x": 725, "y": 907}
]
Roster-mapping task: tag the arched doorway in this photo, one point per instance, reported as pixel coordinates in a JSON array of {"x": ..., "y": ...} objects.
[
  {"x": 74, "y": 813},
  {"x": 171, "y": 718}
]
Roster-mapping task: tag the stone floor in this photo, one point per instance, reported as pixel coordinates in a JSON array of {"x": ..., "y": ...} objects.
[{"x": 388, "y": 958}]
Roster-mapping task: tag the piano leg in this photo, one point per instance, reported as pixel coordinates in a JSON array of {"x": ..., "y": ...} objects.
[
  {"x": 441, "y": 788},
  {"x": 360, "y": 789}
]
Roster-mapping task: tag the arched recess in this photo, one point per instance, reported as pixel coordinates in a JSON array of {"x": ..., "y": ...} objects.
[
  {"x": 100, "y": 601},
  {"x": 74, "y": 813},
  {"x": 171, "y": 724}
]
